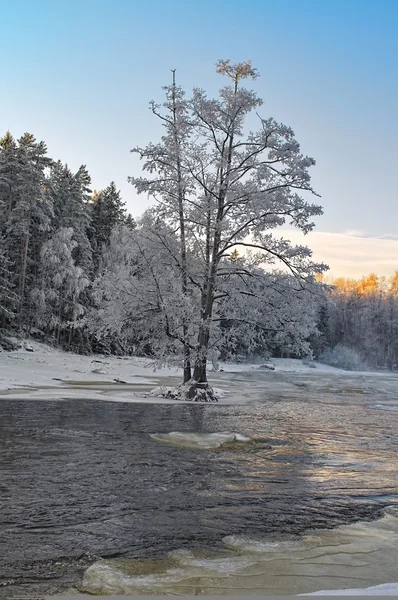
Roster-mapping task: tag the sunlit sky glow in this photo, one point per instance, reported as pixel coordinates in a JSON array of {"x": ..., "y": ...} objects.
[{"x": 79, "y": 75}]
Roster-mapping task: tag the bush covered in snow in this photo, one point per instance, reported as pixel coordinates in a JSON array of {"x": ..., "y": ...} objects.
[{"x": 342, "y": 358}]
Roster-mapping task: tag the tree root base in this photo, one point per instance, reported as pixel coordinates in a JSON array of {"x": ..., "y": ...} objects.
[{"x": 193, "y": 391}]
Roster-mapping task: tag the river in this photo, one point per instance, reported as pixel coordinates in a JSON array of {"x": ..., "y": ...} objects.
[{"x": 82, "y": 479}]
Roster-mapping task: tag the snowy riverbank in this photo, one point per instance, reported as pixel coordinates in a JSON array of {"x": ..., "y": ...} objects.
[{"x": 38, "y": 371}]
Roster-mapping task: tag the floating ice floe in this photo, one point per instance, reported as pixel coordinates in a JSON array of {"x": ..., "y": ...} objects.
[
  {"x": 205, "y": 441},
  {"x": 250, "y": 546}
]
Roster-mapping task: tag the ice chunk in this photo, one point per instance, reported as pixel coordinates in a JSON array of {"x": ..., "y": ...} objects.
[{"x": 205, "y": 441}]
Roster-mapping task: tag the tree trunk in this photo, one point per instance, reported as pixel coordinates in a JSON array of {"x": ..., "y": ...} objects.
[
  {"x": 200, "y": 370},
  {"x": 23, "y": 275},
  {"x": 187, "y": 364},
  {"x": 70, "y": 337},
  {"x": 183, "y": 248}
]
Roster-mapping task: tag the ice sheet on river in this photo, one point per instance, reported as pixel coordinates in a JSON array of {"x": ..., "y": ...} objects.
[{"x": 346, "y": 559}]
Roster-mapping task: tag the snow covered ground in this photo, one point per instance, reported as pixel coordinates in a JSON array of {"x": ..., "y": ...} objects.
[
  {"x": 41, "y": 371},
  {"x": 38, "y": 371}
]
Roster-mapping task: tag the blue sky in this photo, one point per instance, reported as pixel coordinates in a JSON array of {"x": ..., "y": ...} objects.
[{"x": 79, "y": 75}]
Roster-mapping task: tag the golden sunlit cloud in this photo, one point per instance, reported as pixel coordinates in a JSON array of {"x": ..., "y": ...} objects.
[{"x": 349, "y": 254}]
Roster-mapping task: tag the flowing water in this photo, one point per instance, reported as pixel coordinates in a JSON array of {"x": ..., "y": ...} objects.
[{"x": 85, "y": 483}]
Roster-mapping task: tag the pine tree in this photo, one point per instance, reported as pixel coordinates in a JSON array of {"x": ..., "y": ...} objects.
[
  {"x": 9, "y": 177},
  {"x": 8, "y": 298},
  {"x": 28, "y": 213},
  {"x": 58, "y": 297},
  {"x": 71, "y": 194},
  {"x": 8, "y": 169},
  {"x": 107, "y": 211}
]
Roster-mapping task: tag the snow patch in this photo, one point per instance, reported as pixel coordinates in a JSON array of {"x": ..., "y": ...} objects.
[{"x": 384, "y": 589}]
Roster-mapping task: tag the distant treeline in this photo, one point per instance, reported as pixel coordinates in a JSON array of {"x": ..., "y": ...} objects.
[{"x": 74, "y": 271}]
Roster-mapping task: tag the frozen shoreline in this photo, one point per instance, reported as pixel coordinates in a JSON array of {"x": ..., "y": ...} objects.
[{"x": 49, "y": 374}]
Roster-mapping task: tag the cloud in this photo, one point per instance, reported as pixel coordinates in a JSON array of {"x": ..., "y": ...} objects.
[
  {"x": 354, "y": 233},
  {"x": 350, "y": 254},
  {"x": 388, "y": 236}
]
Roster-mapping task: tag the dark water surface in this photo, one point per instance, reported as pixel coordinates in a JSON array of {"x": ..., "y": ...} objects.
[{"x": 83, "y": 479}]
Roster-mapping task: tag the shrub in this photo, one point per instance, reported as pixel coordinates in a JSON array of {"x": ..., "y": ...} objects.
[{"x": 342, "y": 358}]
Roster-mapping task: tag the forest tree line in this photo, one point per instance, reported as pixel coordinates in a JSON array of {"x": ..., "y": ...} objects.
[
  {"x": 361, "y": 315},
  {"x": 52, "y": 230},
  {"x": 69, "y": 259}
]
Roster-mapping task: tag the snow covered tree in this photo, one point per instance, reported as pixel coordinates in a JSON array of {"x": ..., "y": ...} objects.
[
  {"x": 264, "y": 313},
  {"x": 138, "y": 292},
  {"x": 57, "y": 297},
  {"x": 28, "y": 210},
  {"x": 363, "y": 318},
  {"x": 107, "y": 210},
  {"x": 227, "y": 190},
  {"x": 8, "y": 298},
  {"x": 369, "y": 285},
  {"x": 138, "y": 300},
  {"x": 70, "y": 193},
  {"x": 8, "y": 166},
  {"x": 393, "y": 284},
  {"x": 172, "y": 185},
  {"x": 9, "y": 177}
]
